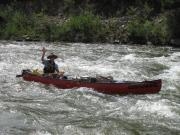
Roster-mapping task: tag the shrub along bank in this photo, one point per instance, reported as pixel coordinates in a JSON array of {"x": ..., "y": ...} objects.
[
  {"x": 85, "y": 27},
  {"x": 136, "y": 24}
]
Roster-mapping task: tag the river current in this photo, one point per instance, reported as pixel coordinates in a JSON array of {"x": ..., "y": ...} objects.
[{"x": 29, "y": 108}]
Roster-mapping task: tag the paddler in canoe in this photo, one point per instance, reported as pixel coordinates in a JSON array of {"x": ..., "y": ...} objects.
[{"x": 50, "y": 67}]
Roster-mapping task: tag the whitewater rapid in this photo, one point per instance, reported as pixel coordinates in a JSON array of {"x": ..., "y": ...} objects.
[{"x": 36, "y": 109}]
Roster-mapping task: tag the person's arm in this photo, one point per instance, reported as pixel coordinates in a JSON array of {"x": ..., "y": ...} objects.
[{"x": 43, "y": 54}]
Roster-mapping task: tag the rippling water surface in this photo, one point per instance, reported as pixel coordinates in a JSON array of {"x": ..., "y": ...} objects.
[{"x": 29, "y": 108}]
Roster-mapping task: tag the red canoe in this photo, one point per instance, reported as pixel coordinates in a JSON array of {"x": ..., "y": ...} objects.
[{"x": 145, "y": 87}]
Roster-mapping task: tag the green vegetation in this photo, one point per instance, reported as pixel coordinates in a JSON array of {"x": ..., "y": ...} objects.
[
  {"x": 142, "y": 31},
  {"x": 139, "y": 21},
  {"x": 84, "y": 28},
  {"x": 143, "y": 28}
]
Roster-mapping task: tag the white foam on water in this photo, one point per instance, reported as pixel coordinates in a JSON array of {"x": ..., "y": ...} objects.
[
  {"x": 131, "y": 57},
  {"x": 101, "y": 69},
  {"x": 12, "y": 119},
  {"x": 10, "y": 45},
  {"x": 160, "y": 108},
  {"x": 173, "y": 72},
  {"x": 175, "y": 55},
  {"x": 40, "y": 132},
  {"x": 3, "y": 66},
  {"x": 110, "y": 61}
]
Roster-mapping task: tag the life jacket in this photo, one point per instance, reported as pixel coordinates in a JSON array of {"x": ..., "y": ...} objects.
[{"x": 50, "y": 68}]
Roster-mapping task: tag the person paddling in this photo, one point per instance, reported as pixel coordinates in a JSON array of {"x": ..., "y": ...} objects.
[{"x": 49, "y": 65}]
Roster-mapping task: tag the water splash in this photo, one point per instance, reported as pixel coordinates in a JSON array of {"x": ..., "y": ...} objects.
[{"x": 33, "y": 108}]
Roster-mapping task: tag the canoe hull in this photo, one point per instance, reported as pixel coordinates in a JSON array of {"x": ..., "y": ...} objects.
[{"x": 145, "y": 87}]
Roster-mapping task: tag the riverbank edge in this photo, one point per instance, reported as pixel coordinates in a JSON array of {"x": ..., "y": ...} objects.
[{"x": 113, "y": 43}]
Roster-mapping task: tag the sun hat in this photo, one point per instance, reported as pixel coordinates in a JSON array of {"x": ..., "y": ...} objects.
[{"x": 52, "y": 56}]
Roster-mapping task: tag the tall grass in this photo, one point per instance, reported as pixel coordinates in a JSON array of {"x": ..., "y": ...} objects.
[{"x": 85, "y": 28}]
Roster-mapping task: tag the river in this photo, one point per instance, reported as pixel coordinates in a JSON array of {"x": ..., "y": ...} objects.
[{"x": 29, "y": 108}]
